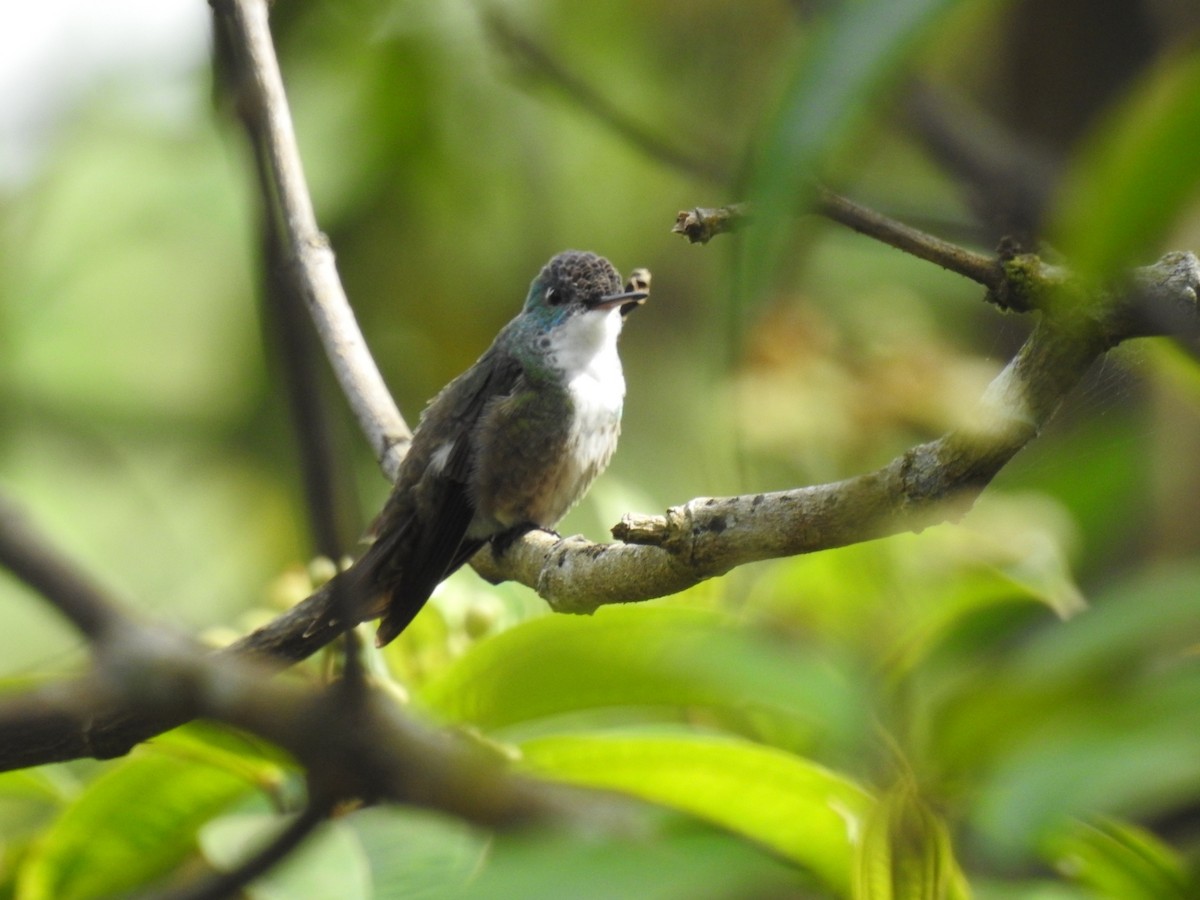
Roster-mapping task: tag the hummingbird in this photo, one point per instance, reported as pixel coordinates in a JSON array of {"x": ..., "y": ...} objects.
[{"x": 508, "y": 446}]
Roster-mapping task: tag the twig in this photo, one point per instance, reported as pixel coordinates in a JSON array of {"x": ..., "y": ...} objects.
[
  {"x": 702, "y": 224},
  {"x": 263, "y": 107},
  {"x": 228, "y": 884},
  {"x": 287, "y": 329},
  {"x": 311, "y": 424},
  {"x": 26, "y": 555},
  {"x": 538, "y": 60},
  {"x": 979, "y": 268}
]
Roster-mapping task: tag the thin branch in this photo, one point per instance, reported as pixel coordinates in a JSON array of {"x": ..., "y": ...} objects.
[
  {"x": 982, "y": 269},
  {"x": 702, "y": 224},
  {"x": 228, "y": 884},
  {"x": 287, "y": 330},
  {"x": 263, "y": 107},
  {"x": 306, "y": 403},
  {"x": 26, "y": 555},
  {"x": 537, "y": 60}
]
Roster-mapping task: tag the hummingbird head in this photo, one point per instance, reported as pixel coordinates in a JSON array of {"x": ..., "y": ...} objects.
[{"x": 574, "y": 283}]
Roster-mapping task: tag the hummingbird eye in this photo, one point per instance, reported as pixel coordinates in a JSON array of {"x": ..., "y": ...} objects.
[{"x": 554, "y": 296}]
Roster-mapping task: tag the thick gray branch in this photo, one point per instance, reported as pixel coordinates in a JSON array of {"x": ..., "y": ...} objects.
[{"x": 928, "y": 484}]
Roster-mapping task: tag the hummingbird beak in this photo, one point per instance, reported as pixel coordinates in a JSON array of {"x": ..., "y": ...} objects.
[{"x": 627, "y": 299}]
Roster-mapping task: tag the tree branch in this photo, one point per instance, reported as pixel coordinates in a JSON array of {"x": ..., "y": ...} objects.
[
  {"x": 982, "y": 269},
  {"x": 702, "y": 224},
  {"x": 262, "y": 105},
  {"x": 25, "y": 554},
  {"x": 353, "y": 741},
  {"x": 228, "y": 884},
  {"x": 928, "y": 484},
  {"x": 535, "y": 59}
]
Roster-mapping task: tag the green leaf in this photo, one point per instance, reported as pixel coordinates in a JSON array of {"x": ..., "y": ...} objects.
[
  {"x": 1026, "y": 889},
  {"x": 800, "y": 810},
  {"x": 1118, "y": 859},
  {"x": 679, "y": 865},
  {"x": 846, "y": 65},
  {"x": 131, "y": 825},
  {"x": 330, "y": 865},
  {"x": 664, "y": 656},
  {"x": 899, "y": 601},
  {"x": 413, "y": 851},
  {"x": 236, "y": 752},
  {"x": 1137, "y": 173},
  {"x": 29, "y": 799},
  {"x": 1096, "y": 716},
  {"x": 905, "y": 853}
]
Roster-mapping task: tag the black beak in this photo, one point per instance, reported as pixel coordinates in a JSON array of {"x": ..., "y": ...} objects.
[{"x": 626, "y": 299}]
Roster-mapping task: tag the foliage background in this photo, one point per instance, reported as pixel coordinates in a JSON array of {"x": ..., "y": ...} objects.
[{"x": 900, "y": 693}]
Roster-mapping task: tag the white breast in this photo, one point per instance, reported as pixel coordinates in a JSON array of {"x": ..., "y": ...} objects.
[{"x": 585, "y": 350}]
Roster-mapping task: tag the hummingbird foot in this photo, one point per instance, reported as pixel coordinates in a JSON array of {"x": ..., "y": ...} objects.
[{"x": 505, "y": 539}]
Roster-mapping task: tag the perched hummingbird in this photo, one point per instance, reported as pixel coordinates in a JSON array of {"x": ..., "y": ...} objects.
[{"x": 508, "y": 446}]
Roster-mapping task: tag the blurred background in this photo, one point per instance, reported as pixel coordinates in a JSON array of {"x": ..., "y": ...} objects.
[{"x": 1036, "y": 661}]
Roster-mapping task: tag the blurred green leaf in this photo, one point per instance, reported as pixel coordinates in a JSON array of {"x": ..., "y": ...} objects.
[
  {"x": 842, "y": 68},
  {"x": 29, "y": 799},
  {"x": 414, "y": 853},
  {"x": 235, "y": 752},
  {"x": 1141, "y": 625},
  {"x": 897, "y": 601},
  {"x": 116, "y": 307},
  {"x": 905, "y": 851},
  {"x": 650, "y": 656},
  {"x": 1119, "y": 860},
  {"x": 1097, "y": 715},
  {"x": 675, "y": 866},
  {"x": 1025, "y": 889},
  {"x": 129, "y": 826},
  {"x": 1136, "y": 175},
  {"x": 329, "y": 865},
  {"x": 800, "y": 810}
]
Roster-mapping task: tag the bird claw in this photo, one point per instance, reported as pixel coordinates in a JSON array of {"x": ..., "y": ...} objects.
[{"x": 505, "y": 539}]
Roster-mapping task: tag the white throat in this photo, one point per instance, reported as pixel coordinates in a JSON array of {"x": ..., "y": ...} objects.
[{"x": 584, "y": 349}]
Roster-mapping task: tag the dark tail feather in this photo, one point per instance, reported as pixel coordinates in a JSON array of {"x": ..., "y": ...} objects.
[
  {"x": 408, "y": 598},
  {"x": 398, "y": 617}
]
